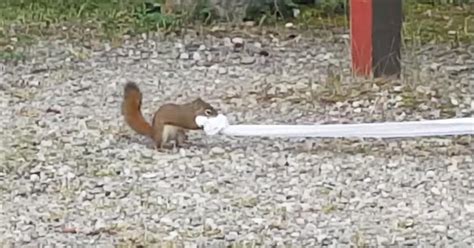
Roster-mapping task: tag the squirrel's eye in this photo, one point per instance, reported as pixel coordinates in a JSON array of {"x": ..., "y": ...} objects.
[{"x": 208, "y": 112}]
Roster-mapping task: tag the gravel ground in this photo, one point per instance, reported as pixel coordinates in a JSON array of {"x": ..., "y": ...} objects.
[{"x": 73, "y": 174}]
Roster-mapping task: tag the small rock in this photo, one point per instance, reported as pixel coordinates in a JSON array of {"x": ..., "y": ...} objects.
[
  {"x": 439, "y": 228},
  {"x": 300, "y": 221},
  {"x": 167, "y": 221},
  {"x": 356, "y": 104},
  {"x": 172, "y": 236},
  {"x": 469, "y": 207},
  {"x": 409, "y": 223},
  {"x": 295, "y": 234},
  {"x": 150, "y": 175},
  {"x": 300, "y": 85},
  {"x": 310, "y": 227},
  {"x": 452, "y": 168},
  {"x": 46, "y": 143},
  {"x": 184, "y": 56},
  {"x": 34, "y": 83},
  {"x": 210, "y": 223},
  {"x": 327, "y": 167},
  {"x": 179, "y": 46},
  {"x": 247, "y": 60},
  {"x": 227, "y": 42},
  {"x": 231, "y": 236},
  {"x": 238, "y": 40},
  {"x": 281, "y": 161},
  {"x": 381, "y": 186},
  {"x": 26, "y": 238},
  {"x": 196, "y": 56},
  {"x": 345, "y": 36},
  {"x": 182, "y": 152},
  {"x": 147, "y": 153},
  {"x": 296, "y": 12},
  {"x": 70, "y": 175},
  {"x": 435, "y": 191},
  {"x": 289, "y": 25},
  {"x": 324, "y": 57},
  {"x": 249, "y": 23},
  {"x": 435, "y": 66},
  {"x": 258, "y": 221},
  {"x": 430, "y": 174},
  {"x": 155, "y": 217},
  {"x": 454, "y": 101},
  {"x": 217, "y": 150},
  {"x": 222, "y": 70},
  {"x": 398, "y": 89},
  {"x": 34, "y": 177},
  {"x": 104, "y": 145},
  {"x": 456, "y": 68},
  {"x": 99, "y": 224},
  {"x": 392, "y": 164}
]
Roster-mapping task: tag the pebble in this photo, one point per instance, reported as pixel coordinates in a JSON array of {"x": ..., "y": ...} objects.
[
  {"x": 167, "y": 221},
  {"x": 231, "y": 236},
  {"x": 430, "y": 174},
  {"x": 469, "y": 207},
  {"x": 454, "y": 101},
  {"x": 227, "y": 42},
  {"x": 222, "y": 70},
  {"x": 217, "y": 150},
  {"x": 300, "y": 221},
  {"x": 196, "y": 56},
  {"x": 382, "y": 241},
  {"x": 247, "y": 60},
  {"x": 435, "y": 191},
  {"x": 327, "y": 168},
  {"x": 439, "y": 228},
  {"x": 184, "y": 56},
  {"x": 34, "y": 178},
  {"x": 84, "y": 163},
  {"x": 237, "y": 40}
]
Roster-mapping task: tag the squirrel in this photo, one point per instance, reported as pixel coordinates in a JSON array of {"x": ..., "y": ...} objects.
[{"x": 170, "y": 121}]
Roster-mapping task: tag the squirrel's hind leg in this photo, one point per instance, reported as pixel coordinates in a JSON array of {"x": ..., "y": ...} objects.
[{"x": 159, "y": 136}]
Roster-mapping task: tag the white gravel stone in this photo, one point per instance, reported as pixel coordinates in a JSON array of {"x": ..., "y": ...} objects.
[{"x": 70, "y": 164}]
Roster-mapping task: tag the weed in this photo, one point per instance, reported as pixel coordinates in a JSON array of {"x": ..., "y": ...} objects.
[{"x": 22, "y": 22}]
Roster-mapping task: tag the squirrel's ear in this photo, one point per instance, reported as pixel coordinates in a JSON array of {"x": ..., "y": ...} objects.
[{"x": 197, "y": 102}]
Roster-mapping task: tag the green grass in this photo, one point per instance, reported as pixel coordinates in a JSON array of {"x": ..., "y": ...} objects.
[
  {"x": 23, "y": 22},
  {"x": 27, "y": 20},
  {"x": 424, "y": 22},
  {"x": 438, "y": 23}
]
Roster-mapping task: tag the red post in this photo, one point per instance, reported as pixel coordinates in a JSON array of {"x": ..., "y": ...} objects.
[
  {"x": 376, "y": 37},
  {"x": 361, "y": 36}
]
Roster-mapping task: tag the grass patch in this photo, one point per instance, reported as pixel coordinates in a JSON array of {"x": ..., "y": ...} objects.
[
  {"x": 425, "y": 22},
  {"x": 23, "y": 22},
  {"x": 438, "y": 23}
]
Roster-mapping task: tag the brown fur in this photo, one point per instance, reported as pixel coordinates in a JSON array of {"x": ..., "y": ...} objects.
[{"x": 170, "y": 121}]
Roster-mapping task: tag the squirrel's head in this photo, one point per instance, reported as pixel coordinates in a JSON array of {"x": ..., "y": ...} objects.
[{"x": 203, "y": 108}]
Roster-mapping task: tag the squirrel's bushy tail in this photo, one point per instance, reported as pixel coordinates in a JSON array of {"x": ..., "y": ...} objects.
[{"x": 131, "y": 110}]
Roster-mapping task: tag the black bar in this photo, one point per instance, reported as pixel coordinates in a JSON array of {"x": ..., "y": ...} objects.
[{"x": 386, "y": 37}]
